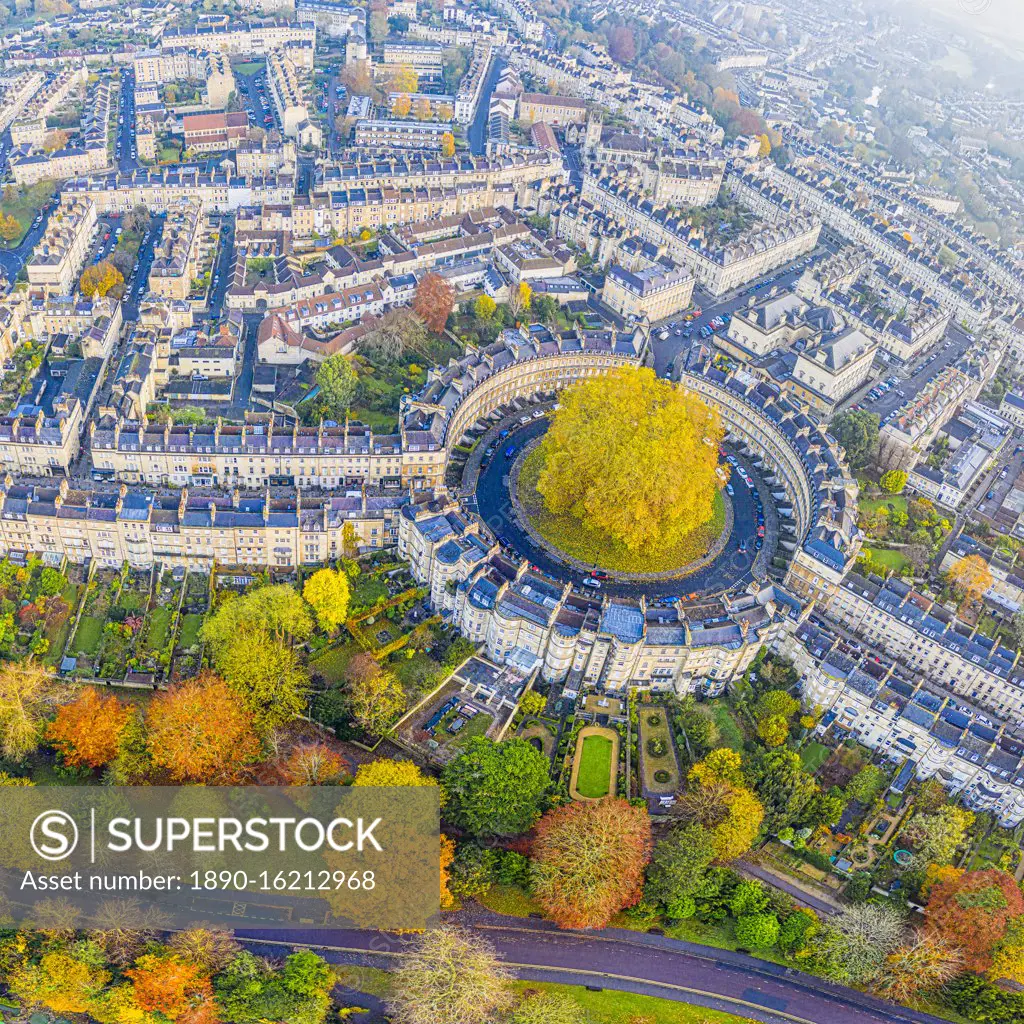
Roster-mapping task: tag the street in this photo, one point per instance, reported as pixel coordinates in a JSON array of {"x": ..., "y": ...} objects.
[
  {"x": 477, "y": 132},
  {"x": 626, "y": 961}
]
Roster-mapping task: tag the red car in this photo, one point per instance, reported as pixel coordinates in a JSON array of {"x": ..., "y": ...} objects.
[{"x": 106, "y": 237}]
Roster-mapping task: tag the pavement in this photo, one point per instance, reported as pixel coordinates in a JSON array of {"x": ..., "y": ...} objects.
[
  {"x": 627, "y": 961},
  {"x": 495, "y": 508}
]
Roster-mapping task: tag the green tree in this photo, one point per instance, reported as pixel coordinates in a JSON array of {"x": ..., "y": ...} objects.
[
  {"x": 783, "y": 787},
  {"x": 267, "y": 675},
  {"x": 866, "y": 786},
  {"x": 757, "y": 931},
  {"x": 893, "y": 481},
  {"x": 857, "y": 432},
  {"x": 633, "y": 457},
  {"x": 496, "y": 788},
  {"x": 279, "y": 609},
  {"x": 679, "y": 863},
  {"x": 327, "y": 592},
  {"x": 338, "y": 384}
]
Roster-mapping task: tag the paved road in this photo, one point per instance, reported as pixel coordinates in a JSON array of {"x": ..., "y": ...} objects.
[
  {"x": 477, "y": 133},
  {"x": 126, "y": 130},
  {"x": 675, "y": 345},
  {"x": 917, "y": 374},
  {"x": 494, "y": 504},
  {"x": 628, "y": 961}
]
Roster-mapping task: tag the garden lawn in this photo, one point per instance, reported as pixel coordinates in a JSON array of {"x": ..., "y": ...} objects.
[
  {"x": 898, "y": 502},
  {"x": 159, "y": 622},
  {"x": 87, "y": 637},
  {"x": 366, "y": 591},
  {"x": 569, "y": 535},
  {"x": 894, "y": 560},
  {"x": 331, "y": 664},
  {"x": 249, "y": 67},
  {"x": 730, "y": 734},
  {"x": 594, "y": 777},
  {"x": 813, "y": 756},
  {"x": 189, "y": 634}
]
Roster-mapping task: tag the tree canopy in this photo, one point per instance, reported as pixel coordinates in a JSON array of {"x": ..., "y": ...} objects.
[
  {"x": 857, "y": 432},
  {"x": 589, "y": 861},
  {"x": 632, "y": 456},
  {"x": 338, "y": 384},
  {"x": 496, "y": 788}
]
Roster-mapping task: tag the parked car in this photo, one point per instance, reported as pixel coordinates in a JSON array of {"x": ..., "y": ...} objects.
[
  {"x": 589, "y": 581},
  {"x": 510, "y": 451}
]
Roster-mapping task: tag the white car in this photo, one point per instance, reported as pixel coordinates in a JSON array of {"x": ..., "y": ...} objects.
[{"x": 589, "y": 581}]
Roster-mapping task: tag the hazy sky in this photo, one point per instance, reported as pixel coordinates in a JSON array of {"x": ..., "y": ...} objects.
[{"x": 996, "y": 19}]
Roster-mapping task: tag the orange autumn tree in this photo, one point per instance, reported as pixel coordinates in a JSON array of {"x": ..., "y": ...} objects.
[
  {"x": 589, "y": 861},
  {"x": 447, "y": 856},
  {"x": 200, "y": 732},
  {"x": 169, "y": 986},
  {"x": 87, "y": 732},
  {"x": 974, "y": 912},
  {"x": 433, "y": 302}
]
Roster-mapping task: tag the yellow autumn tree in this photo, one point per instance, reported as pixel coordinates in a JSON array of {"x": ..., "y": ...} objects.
[
  {"x": 447, "y": 144},
  {"x": 716, "y": 798},
  {"x": 99, "y": 278},
  {"x": 970, "y": 577},
  {"x": 421, "y": 109},
  {"x": 402, "y": 106},
  {"x": 633, "y": 457},
  {"x": 404, "y": 79},
  {"x": 764, "y": 147}
]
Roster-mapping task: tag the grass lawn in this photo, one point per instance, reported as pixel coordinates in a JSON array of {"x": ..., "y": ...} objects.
[
  {"x": 610, "y": 1007},
  {"x": 188, "y": 636},
  {"x": 24, "y": 206},
  {"x": 366, "y": 591},
  {"x": 594, "y": 778},
  {"x": 159, "y": 622},
  {"x": 813, "y": 756},
  {"x": 249, "y": 67},
  {"x": 607, "y": 1007},
  {"x": 730, "y": 734},
  {"x": 475, "y": 726},
  {"x": 331, "y": 664},
  {"x": 87, "y": 638},
  {"x": 893, "y": 560},
  {"x": 898, "y": 502},
  {"x": 593, "y": 547},
  {"x": 510, "y": 900}
]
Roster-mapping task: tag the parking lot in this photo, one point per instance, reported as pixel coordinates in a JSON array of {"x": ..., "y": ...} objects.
[{"x": 909, "y": 380}]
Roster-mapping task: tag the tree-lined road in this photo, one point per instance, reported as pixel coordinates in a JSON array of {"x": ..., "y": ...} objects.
[{"x": 626, "y": 961}]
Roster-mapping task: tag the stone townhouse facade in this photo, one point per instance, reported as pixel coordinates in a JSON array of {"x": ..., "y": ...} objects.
[
  {"x": 583, "y": 642},
  {"x": 60, "y": 254},
  {"x": 911, "y": 720},
  {"x": 193, "y": 529},
  {"x": 721, "y": 268}
]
